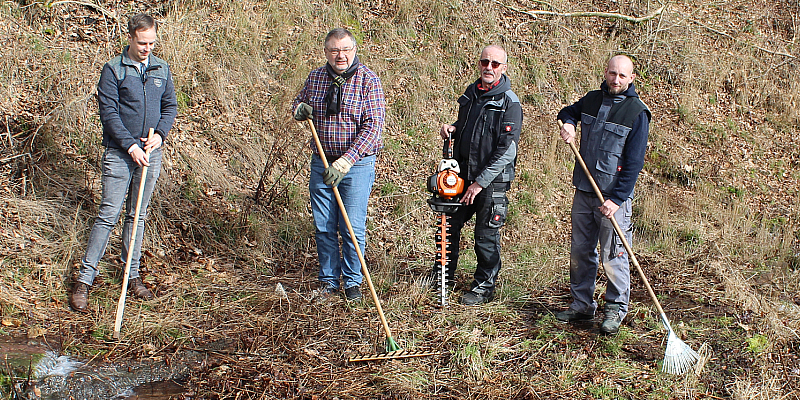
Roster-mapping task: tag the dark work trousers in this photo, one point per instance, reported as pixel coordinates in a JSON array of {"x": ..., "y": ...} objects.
[
  {"x": 490, "y": 207},
  {"x": 590, "y": 226}
]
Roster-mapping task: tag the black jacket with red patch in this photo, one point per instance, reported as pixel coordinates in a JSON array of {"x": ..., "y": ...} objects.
[{"x": 487, "y": 133}]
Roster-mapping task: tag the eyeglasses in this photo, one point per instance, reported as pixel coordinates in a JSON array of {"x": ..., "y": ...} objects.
[
  {"x": 495, "y": 64},
  {"x": 336, "y": 52}
]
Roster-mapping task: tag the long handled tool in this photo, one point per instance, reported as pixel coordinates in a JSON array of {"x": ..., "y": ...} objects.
[
  {"x": 679, "y": 357},
  {"x": 393, "y": 351},
  {"x": 121, "y": 304}
]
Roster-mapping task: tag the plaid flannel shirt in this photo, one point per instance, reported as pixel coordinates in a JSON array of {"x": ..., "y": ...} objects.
[{"x": 356, "y": 131}]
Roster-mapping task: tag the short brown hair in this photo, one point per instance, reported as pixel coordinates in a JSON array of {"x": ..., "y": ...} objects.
[
  {"x": 340, "y": 33},
  {"x": 141, "y": 22}
]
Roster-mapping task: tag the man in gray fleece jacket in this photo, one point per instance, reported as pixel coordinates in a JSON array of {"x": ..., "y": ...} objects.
[{"x": 135, "y": 93}]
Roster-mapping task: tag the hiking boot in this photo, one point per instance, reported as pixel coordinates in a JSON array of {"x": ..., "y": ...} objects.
[
  {"x": 325, "y": 292},
  {"x": 79, "y": 298},
  {"x": 139, "y": 289},
  {"x": 611, "y": 319},
  {"x": 352, "y": 293},
  {"x": 571, "y": 315},
  {"x": 473, "y": 299}
]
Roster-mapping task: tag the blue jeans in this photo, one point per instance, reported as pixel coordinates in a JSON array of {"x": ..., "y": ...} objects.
[
  {"x": 354, "y": 189},
  {"x": 590, "y": 226},
  {"x": 121, "y": 178}
]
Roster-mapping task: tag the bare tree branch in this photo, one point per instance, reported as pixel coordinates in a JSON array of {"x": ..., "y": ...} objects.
[
  {"x": 100, "y": 9},
  {"x": 718, "y": 32},
  {"x": 538, "y": 13}
]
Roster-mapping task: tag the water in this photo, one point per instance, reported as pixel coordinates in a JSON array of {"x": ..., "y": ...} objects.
[
  {"x": 51, "y": 364},
  {"x": 56, "y": 376}
]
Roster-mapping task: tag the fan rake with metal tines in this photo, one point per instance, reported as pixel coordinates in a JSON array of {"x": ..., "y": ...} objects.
[{"x": 393, "y": 351}]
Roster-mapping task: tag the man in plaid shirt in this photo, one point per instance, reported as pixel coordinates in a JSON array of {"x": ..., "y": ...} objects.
[{"x": 346, "y": 101}]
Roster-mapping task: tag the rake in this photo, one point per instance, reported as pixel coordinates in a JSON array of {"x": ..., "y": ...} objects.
[
  {"x": 393, "y": 351},
  {"x": 121, "y": 303},
  {"x": 679, "y": 357}
]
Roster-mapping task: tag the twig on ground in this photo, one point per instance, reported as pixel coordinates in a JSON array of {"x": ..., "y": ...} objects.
[
  {"x": 14, "y": 157},
  {"x": 8, "y": 134}
]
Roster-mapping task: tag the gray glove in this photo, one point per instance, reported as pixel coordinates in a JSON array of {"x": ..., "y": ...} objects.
[
  {"x": 334, "y": 174},
  {"x": 303, "y": 111}
]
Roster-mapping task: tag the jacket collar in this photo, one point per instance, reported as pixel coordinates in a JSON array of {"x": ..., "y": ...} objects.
[
  {"x": 152, "y": 61},
  {"x": 502, "y": 86},
  {"x": 126, "y": 59}
]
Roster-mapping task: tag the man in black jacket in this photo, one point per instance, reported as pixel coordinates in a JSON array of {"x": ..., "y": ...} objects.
[
  {"x": 485, "y": 139},
  {"x": 614, "y": 129}
]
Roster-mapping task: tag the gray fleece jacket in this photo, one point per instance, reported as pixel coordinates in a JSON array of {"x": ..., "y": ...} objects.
[{"x": 131, "y": 104}]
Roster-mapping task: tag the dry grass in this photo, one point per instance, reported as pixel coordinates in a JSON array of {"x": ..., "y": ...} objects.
[{"x": 716, "y": 209}]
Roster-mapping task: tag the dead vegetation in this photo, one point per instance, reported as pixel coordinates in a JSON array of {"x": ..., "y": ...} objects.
[{"x": 716, "y": 210}]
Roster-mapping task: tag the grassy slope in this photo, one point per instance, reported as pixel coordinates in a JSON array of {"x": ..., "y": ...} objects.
[{"x": 716, "y": 209}]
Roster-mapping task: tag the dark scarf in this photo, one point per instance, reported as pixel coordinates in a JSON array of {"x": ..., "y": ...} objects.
[{"x": 333, "y": 97}]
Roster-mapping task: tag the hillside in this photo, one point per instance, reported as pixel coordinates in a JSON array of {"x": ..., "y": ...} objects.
[{"x": 716, "y": 214}]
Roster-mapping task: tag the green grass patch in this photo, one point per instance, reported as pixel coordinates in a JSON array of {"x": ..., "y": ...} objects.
[
  {"x": 757, "y": 343},
  {"x": 737, "y": 192},
  {"x": 612, "y": 344},
  {"x": 388, "y": 188}
]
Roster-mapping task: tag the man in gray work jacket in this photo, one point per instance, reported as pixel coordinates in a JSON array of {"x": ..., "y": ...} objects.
[
  {"x": 614, "y": 128},
  {"x": 135, "y": 93},
  {"x": 485, "y": 142}
]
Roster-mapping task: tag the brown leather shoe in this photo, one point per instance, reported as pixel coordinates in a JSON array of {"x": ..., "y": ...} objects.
[
  {"x": 139, "y": 289},
  {"x": 79, "y": 298}
]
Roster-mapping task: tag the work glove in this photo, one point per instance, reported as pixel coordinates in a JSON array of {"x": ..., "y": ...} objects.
[
  {"x": 303, "y": 111},
  {"x": 336, "y": 172}
]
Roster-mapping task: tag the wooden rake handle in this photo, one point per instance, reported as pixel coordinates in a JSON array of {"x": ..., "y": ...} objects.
[
  {"x": 124, "y": 291},
  {"x": 364, "y": 269},
  {"x": 616, "y": 225}
]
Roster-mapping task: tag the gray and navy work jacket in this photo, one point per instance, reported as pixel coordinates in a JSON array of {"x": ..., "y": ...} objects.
[
  {"x": 487, "y": 132},
  {"x": 131, "y": 102},
  {"x": 613, "y": 141}
]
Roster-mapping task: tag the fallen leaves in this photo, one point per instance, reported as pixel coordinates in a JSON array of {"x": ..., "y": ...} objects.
[{"x": 35, "y": 332}]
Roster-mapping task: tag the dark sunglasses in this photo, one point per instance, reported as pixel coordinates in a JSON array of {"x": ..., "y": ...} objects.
[{"x": 495, "y": 64}]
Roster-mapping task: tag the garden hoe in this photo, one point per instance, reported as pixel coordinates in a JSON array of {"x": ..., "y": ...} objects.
[
  {"x": 393, "y": 351},
  {"x": 679, "y": 357},
  {"x": 445, "y": 185},
  {"x": 121, "y": 304}
]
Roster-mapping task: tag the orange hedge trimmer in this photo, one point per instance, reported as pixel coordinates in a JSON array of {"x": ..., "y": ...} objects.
[{"x": 445, "y": 185}]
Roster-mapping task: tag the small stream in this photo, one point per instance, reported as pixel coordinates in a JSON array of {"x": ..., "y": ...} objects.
[{"x": 55, "y": 376}]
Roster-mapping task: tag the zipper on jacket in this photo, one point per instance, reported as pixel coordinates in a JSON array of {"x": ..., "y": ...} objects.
[{"x": 144, "y": 94}]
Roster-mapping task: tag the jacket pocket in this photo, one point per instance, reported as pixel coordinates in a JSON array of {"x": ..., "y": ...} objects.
[
  {"x": 611, "y": 146},
  {"x": 608, "y": 164},
  {"x": 614, "y": 138}
]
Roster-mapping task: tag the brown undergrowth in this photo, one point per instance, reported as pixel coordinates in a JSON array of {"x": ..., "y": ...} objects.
[{"x": 716, "y": 211}]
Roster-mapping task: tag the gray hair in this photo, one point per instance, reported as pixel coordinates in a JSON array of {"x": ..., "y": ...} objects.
[{"x": 340, "y": 33}]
